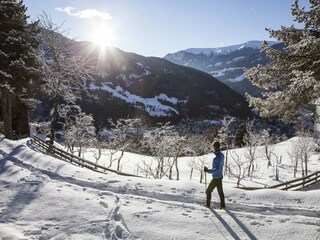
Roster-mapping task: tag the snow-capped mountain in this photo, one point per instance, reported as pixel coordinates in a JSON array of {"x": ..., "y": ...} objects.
[
  {"x": 127, "y": 83},
  {"x": 227, "y": 49},
  {"x": 225, "y": 63}
]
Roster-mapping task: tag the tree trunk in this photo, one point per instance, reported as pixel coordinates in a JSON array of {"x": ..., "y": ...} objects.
[
  {"x": 6, "y": 102},
  {"x": 80, "y": 150},
  {"x": 177, "y": 169},
  {"x": 170, "y": 172},
  {"x": 119, "y": 160},
  {"x": 226, "y": 164},
  {"x": 191, "y": 172},
  {"x": 306, "y": 165},
  {"x": 317, "y": 120},
  {"x": 54, "y": 121},
  {"x": 296, "y": 167}
]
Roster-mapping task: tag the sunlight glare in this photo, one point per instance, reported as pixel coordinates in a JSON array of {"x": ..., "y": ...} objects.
[{"x": 103, "y": 35}]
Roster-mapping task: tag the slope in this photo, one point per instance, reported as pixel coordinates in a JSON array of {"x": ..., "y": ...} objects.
[
  {"x": 43, "y": 197},
  {"x": 125, "y": 83}
]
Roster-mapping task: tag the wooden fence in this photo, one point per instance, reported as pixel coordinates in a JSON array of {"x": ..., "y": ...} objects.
[
  {"x": 299, "y": 183},
  {"x": 296, "y": 184},
  {"x": 75, "y": 159}
]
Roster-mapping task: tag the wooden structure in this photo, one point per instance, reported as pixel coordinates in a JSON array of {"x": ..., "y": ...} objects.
[
  {"x": 296, "y": 184},
  {"x": 75, "y": 159}
]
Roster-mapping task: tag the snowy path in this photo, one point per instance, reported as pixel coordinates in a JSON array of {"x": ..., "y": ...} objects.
[{"x": 46, "y": 198}]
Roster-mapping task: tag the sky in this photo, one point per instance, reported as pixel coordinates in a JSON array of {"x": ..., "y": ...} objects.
[{"x": 158, "y": 27}]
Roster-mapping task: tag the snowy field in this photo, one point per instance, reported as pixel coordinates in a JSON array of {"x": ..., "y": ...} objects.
[{"x": 43, "y": 197}]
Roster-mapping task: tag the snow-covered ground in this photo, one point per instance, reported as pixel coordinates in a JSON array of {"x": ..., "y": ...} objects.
[{"x": 43, "y": 197}]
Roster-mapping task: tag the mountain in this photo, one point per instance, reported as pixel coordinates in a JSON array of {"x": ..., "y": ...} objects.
[
  {"x": 126, "y": 83},
  {"x": 225, "y": 63}
]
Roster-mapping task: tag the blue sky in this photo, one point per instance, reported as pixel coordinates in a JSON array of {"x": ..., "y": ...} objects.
[{"x": 158, "y": 27}]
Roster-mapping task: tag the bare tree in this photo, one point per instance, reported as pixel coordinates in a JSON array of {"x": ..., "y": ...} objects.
[
  {"x": 97, "y": 150},
  {"x": 225, "y": 138},
  {"x": 119, "y": 136},
  {"x": 238, "y": 167},
  {"x": 252, "y": 140},
  {"x": 78, "y": 129},
  {"x": 294, "y": 156},
  {"x": 114, "y": 151},
  {"x": 301, "y": 151},
  {"x": 198, "y": 163},
  {"x": 158, "y": 144},
  {"x": 176, "y": 149},
  {"x": 266, "y": 140},
  {"x": 197, "y": 146}
]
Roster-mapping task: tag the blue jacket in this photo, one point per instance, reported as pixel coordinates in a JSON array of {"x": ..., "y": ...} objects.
[{"x": 217, "y": 165}]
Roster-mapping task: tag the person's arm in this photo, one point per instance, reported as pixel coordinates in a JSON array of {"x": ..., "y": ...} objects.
[
  {"x": 217, "y": 165},
  {"x": 213, "y": 167}
]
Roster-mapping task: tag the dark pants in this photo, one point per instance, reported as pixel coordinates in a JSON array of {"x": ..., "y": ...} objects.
[{"x": 215, "y": 183}]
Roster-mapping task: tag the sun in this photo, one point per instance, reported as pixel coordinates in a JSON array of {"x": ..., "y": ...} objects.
[{"x": 103, "y": 35}]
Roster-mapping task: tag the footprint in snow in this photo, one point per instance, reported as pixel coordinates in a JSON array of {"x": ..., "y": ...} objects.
[
  {"x": 103, "y": 204},
  {"x": 116, "y": 228},
  {"x": 149, "y": 201}
]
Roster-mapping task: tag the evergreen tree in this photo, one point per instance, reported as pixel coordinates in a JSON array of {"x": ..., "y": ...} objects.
[
  {"x": 292, "y": 77},
  {"x": 240, "y": 134},
  {"x": 19, "y": 65}
]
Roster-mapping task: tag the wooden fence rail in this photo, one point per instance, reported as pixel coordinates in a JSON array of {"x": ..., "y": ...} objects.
[
  {"x": 299, "y": 183},
  {"x": 296, "y": 184},
  {"x": 75, "y": 159}
]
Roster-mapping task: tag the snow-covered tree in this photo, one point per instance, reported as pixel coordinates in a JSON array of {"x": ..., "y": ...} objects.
[
  {"x": 266, "y": 140},
  {"x": 158, "y": 144},
  {"x": 64, "y": 70},
  {"x": 19, "y": 64},
  {"x": 292, "y": 77},
  {"x": 133, "y": 129},
  {"x": 78, "y": 128},
  {"x": 225, "y": 138},
  {"x": 252, "y": 140},
  {"x": 118, "y": 140},
  {"x": 238, "y": 167},
  {"x": 301, "y": 151},
  {"x": 197, "y": 146},
  {"x": 239, "y": 138},
  {"x": 176, "y": 150}
]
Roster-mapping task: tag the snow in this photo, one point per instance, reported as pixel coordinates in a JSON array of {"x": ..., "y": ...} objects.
[
  {"x": 43, "y": 197},
  {"x": 222, "y": 72},
  {"x": 5, "y": 74},
  {"x": 152, "y": 105},
  {"x": 227, "y": 49},
  {"x": 237, "y": 79}
]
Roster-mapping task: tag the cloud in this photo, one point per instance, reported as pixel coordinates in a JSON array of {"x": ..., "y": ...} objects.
[{"x": 86, "y": 13}]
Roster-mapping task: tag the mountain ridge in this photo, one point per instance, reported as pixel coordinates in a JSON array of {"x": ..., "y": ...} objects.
[
  {"x": 126, "y": 84},
  {"x": 160, "y": 88},
  {"x": 226, "y": 64},
  {"x": 227, "y": 49}
]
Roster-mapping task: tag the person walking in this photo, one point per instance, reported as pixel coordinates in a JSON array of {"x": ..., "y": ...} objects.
[{"x": 217, "y": 176}]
